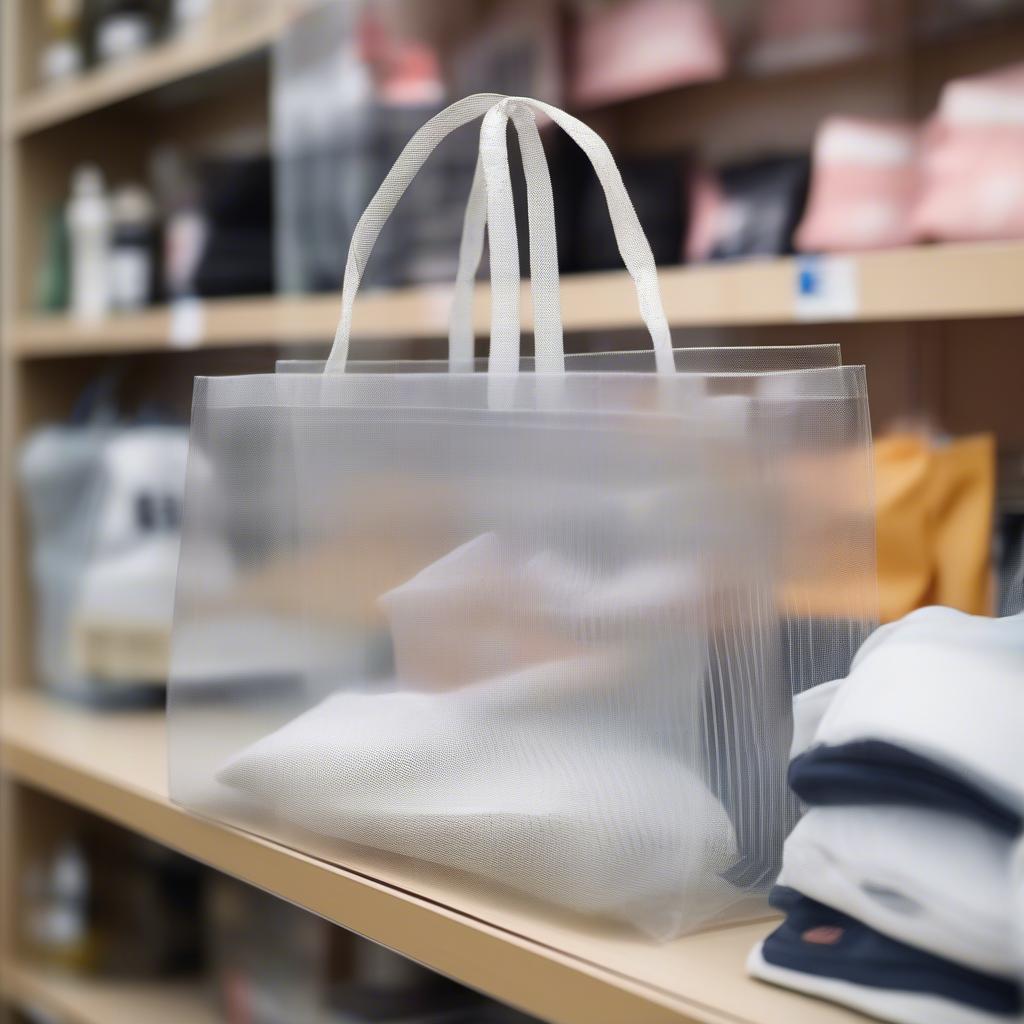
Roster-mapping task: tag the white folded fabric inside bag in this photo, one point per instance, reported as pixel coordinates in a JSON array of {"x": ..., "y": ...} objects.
[
  {"x": 468, "y": 592},
  {"x": 485, "y": 779}
]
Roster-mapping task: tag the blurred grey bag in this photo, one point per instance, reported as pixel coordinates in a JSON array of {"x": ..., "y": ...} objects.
[{"x": 541, "y": 629}]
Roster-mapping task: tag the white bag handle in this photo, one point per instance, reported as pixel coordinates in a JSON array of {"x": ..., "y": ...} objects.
[
  {"x": 504, "y": 297},
  {"x": 548, "y": 345},
  {"x": 505, "y": 325},
  {"x": 629, "y": 235}
]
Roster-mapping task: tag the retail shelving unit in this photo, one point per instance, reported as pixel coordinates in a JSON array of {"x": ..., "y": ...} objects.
[
  {"x": 165, "y": 64},
  {"x": 926, "y": 283},
  {"x": 937, "y": 326}
]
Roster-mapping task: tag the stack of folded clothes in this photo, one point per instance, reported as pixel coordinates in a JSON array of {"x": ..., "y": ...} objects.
[{"x": 903, "y": 885}]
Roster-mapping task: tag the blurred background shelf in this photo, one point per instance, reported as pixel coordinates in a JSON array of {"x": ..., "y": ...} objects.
[
  {"x": 115, "y": 766},
  {"x": 165, "y": 64},
  {"x": 211, "y": 323},
  {"x": 922, "y": 283},
  {"x": 75, "y": 1001}
]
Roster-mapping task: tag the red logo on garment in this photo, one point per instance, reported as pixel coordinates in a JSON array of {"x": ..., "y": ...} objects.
[{"x": 824, "y": 935}]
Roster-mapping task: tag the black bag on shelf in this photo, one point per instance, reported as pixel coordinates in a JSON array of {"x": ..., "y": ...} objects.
[
  {"x": 766, "y": 198},
  {"x": 237, "y": 199},
  {"x": 657, "y": 188}
]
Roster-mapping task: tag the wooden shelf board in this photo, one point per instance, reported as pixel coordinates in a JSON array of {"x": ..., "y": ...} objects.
[
  {"x": 221, "y": 323},
  {"x": 928, "y": 282},
  {"x": 163, "y": 64},
  {"x": 83, "y": 1001},
  {"x": 114, "y": 765}
]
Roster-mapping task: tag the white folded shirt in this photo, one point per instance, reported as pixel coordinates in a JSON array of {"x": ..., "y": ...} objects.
[
  {"x": 922, "y": 877},
  {"x": 809, "y": 709},
  {"x": 939, "y": 683}
]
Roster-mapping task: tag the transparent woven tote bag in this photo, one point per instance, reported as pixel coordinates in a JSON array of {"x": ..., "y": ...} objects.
[{"x": 521, "y": 635}]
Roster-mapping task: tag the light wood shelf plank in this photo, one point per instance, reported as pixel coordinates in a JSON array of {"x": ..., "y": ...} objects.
[
  {"x": 163, "y": 64},
  {"x": 114, "y": 765},
  {"x": 82, "y": 1001},
  {"x": 922, "y": 283}
]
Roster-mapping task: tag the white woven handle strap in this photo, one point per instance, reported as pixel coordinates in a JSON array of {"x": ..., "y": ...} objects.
[
  {"x": 506, "y": 296},
  {"x": 632, "y": 242},
  {"x": 504, "y": 249},
  {"x": 380, "y": 207},
  {"x": 548, "y": 345}
]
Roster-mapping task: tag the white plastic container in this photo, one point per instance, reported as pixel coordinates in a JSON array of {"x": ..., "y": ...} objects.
[{"x": 89, "y": 229}]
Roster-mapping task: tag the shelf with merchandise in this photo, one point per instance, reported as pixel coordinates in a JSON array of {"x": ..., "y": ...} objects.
[
  {"x": 204, "y": 49},
  {"x": 919, "y": 283}
]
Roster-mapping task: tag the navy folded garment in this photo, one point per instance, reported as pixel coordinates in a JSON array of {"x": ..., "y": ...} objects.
[
  {"x": 878, "y": 772},
  {"x": 825, "y": 943}
]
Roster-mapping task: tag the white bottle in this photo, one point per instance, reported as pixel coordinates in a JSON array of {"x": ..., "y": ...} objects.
[
  {"x": 88, "y": 216},
  {"x": 131, "y": 247}
]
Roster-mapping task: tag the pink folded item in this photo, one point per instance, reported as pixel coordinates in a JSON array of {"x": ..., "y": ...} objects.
[
  {"x": 973, "y": 183},
  {"x": 972, "y": 173},
  {"x": 996, "y": 97},
  {"x": 863, "y": 186},
  {"x": 798, "y": 33},
  {"x": 629, "y": 49}
]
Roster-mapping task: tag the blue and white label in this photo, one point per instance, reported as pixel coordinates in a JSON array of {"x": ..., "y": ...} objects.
[{"x": 826, "y": 288}]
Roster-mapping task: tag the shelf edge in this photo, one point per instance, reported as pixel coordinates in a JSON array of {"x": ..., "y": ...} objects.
[
  {"x": 969, "y": 281},
  {"x": 560, "y": 987}
]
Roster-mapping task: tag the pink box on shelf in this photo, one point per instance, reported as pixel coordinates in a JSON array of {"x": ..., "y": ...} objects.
[
  {"x": 863, "y": 186},
  {"x": 972, "y": 167},
  {"x": 630, "y": 49}
]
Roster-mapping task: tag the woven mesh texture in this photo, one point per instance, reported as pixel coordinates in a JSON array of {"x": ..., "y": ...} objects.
[{"x": 552, "y": 648}]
